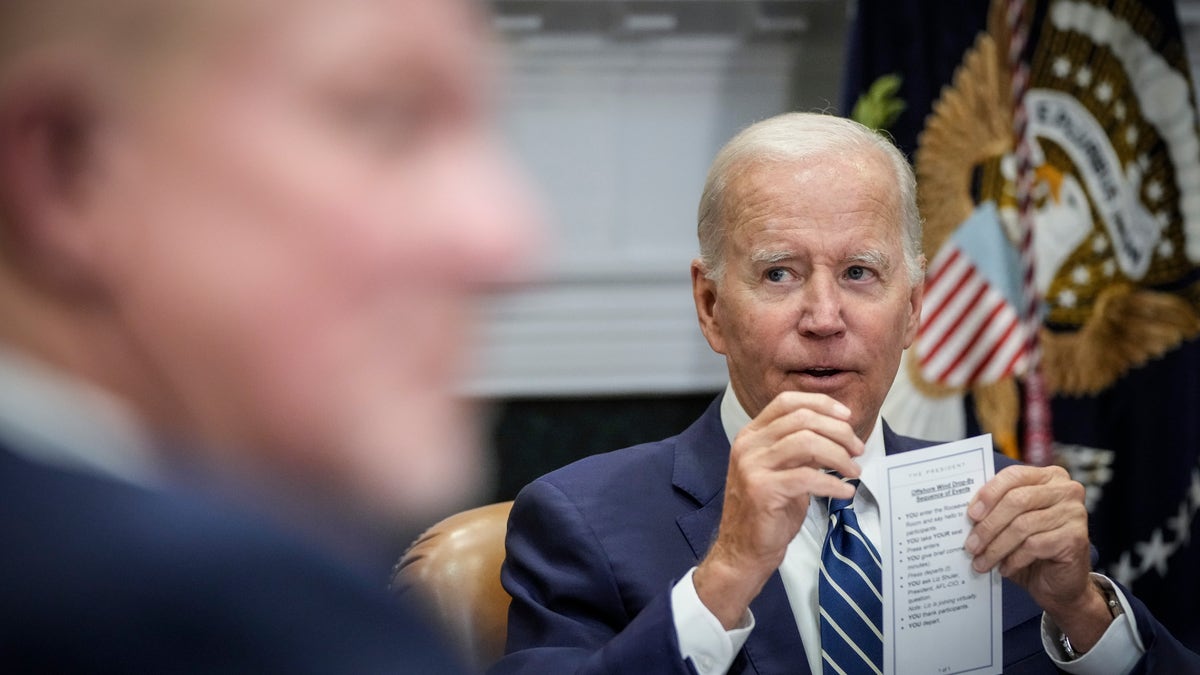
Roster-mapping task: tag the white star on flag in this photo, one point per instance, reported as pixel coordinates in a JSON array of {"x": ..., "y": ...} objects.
[{"x": 1155, "y": 552}]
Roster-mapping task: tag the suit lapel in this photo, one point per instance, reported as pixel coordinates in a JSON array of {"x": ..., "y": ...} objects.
[
  {"x": 894, "y": 442},
  {"x": 775, "y": 645},
  {"x": 701, "y": 462}
]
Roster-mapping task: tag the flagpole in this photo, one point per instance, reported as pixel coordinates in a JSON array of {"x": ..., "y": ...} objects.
[{"x": 1038, "y": 429}]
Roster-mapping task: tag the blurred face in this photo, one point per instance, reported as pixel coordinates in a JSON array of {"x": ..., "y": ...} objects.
[
  {"x": 815, "y": 295},
  {"x": 296, "y": 231}
]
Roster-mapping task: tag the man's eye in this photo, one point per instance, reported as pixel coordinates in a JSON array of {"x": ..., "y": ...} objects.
[
  {"x": 777, "y": 274},
  {"x": 857, "y": 273},
  {"x": 385, "y": 118},
  {"x": 386, "y": 121}
]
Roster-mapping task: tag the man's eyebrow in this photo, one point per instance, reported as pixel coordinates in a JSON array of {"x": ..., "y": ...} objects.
[
  {"x": 871, "y": 258},
  {"x": 769, "y": 256}
]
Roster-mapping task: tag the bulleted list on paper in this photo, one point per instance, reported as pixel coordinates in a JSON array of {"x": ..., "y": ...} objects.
[
  {"x": 928, "y": 542},
  {"x": 940, "y": 616}
]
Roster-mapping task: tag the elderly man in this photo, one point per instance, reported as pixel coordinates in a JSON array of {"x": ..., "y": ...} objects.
[
  {"x": 701, "y": 553},
  {"x": 239, "y": 245}
]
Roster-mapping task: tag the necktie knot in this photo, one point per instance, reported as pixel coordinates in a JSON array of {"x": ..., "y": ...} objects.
[{"x": 836, "y": 504}]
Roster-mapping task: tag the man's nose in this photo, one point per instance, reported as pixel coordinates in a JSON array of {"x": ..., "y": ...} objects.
[
  {"x": 497, "y": 220},
  {"x": 821, "y": 307}
]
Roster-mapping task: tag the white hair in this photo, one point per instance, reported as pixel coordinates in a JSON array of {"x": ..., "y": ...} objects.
[{"x": 797, "y": 136}]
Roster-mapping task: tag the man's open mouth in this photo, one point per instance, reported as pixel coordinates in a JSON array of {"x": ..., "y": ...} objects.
[{"x": 822, "y": 372}]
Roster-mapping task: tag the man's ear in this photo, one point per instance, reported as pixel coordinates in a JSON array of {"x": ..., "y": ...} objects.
[
  {"x": 704, "y": 293},
  {"x": 916, "y": 299},
  {"x": 48, "y": 119}
]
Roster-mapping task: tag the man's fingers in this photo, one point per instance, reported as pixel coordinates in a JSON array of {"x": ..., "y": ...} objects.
[
  {"x": 804, "y": 430},
  {"x": 812, "y": 448},
  {"x": 1020, "y": 501},
  {"x": 804, "y": 481},
  {"x": 1041, "y": 546},
  {"x": 793, "y": 411},
  {"x": 1051, "y": 510},
  {"x": 1007, "y": 480},
  {"x": 790, "y": 401}
]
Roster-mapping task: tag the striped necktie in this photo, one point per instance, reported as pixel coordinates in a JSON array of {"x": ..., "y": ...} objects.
[{"x": 851, "y": 601}]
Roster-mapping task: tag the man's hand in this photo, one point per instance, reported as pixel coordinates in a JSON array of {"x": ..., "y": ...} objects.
[
  {"x": 1032, "y": 523},
  {"x": 775, "y": 465}
]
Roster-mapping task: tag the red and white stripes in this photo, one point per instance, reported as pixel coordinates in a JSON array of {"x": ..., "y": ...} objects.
[{"x": 969, "y": 332}]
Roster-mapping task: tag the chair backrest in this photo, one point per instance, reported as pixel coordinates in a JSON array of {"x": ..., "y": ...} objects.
[{"x": 454, "y": 568}]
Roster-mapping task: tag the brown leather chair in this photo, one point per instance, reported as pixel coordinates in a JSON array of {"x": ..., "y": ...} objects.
[{"x": 454, "y": 568}]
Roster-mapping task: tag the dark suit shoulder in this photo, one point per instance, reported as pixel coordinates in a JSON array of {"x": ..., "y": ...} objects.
[
  {"x": 105, "y": 576},
  {"x": 618, "y": 470}
]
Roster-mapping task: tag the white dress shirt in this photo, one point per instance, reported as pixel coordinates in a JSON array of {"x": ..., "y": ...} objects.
[
  {"x": 703, "y": 639},
  {"x": 50, "y": 417}
]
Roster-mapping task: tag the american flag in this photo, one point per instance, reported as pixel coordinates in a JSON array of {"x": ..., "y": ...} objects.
[{"x": 969, "y": 332}]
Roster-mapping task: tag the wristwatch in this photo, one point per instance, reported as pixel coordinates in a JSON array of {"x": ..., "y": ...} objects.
[{"x": 1114, "y": 608}]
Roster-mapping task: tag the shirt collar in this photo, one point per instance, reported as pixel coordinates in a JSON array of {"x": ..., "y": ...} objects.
[{"x": 50, "y": 417}]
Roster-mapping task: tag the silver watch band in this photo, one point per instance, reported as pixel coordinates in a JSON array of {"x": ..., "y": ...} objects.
[{"x": 1114, "y": 609}]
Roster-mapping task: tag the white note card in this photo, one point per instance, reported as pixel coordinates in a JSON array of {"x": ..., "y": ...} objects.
[{"x": 939, "y": 615}]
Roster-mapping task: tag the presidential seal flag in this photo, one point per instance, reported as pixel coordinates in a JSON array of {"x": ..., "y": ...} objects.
[{"x": 1102, "y": 126}]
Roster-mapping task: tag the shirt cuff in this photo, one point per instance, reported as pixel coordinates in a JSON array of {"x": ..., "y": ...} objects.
[
  {"x": 702, "y": 638},
  {"x": 1118, "y": 650}
]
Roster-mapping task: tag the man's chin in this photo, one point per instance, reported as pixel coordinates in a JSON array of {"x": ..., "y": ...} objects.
[{"x": 417, "y": 479}]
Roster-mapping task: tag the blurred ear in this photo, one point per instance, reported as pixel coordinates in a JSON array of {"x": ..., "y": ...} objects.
[{"x": 48, "y": 121}]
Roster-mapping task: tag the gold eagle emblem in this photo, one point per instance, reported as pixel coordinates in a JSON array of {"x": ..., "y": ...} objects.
[{"x": 1117, "y": 246}]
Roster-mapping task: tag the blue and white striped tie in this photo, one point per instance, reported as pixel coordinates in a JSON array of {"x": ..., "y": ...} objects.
[{"x": 851, "y": 602}]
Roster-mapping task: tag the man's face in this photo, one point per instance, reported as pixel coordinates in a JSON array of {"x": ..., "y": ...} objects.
[
  {"x": 816, "y": 296},
  {"x": 295, "y": 235}
]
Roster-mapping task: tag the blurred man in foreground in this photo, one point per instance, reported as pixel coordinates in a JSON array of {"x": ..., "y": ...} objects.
[
  {"x": 238, "y": 245},
  {"x": 708, "y": 552}
]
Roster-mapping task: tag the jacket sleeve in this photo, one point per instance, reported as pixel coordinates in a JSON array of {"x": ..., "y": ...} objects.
[
  {"x": 1164, "y": 653},
  {"x": 567, "y": 613}
]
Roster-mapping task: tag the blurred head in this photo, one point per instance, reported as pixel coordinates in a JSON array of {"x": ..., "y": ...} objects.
[
  {"x": 810, "y": 271},
  {"x": 264, "y": 224}
]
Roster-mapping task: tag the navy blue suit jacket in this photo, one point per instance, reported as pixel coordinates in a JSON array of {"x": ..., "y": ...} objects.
[
  {"x": 99, "y": 576},
  {"x": 594, "y": 549}
]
